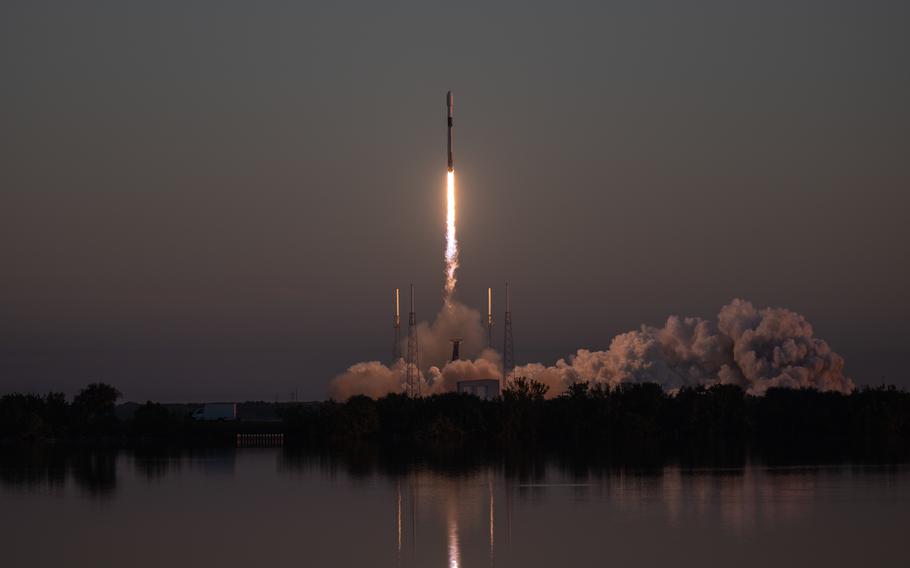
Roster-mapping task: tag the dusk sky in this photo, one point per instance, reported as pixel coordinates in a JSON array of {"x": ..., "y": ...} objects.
[{"x": 215, "y": 200}]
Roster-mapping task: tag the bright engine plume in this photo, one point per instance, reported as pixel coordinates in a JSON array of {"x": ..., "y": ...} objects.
[{"x": 451, "y": 240}]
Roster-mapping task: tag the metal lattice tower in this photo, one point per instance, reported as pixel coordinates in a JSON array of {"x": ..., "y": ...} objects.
[
  {"x": 412, "y": 381},
  {"x": 396, "y": 328},
  {"x": 508, "y": 345},
  {"x": 490, "y": 316}
]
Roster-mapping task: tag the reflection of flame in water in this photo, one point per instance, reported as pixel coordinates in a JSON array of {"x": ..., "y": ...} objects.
[
  {"x": 463, "y": 505},
  {"x": 398, "y": 519},
  {"x": 451, "y": 241},
  {"x": 492, "y": 518},
  {"x": 452, "y": 529},
  {"x": 740, "y": 499}
]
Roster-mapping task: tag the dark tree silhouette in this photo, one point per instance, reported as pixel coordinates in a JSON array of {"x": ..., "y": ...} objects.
[
  {"x": 632, "y": 421},
  {"x": 94, "y": 408},
  {"x": 97, "y": 399},
  {"x": 522, "y": 388}
]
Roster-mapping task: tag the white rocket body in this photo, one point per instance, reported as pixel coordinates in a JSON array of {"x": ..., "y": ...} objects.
[{"x": 450, "y": 106}]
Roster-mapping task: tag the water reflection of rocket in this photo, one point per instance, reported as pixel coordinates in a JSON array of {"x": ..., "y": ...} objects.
[
  {"x": 450, "y": 105},
  {"x": 461, "y": 503}
]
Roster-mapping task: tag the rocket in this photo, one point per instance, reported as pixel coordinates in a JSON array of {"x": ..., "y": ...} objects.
[{"x": 450, "y": 106}]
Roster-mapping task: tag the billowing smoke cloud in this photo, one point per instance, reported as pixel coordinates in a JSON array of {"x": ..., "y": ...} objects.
[
  {"x": 438, "y": 373},
  {"x": 435, "y": 339},
  {"x": 756, "y": 349},
  {"x": 372, "y": 379},
  {"x": 486, "y": 366}
]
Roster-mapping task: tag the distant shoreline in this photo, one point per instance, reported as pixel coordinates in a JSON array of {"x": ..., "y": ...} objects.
[{"x": 627, "y": 423}]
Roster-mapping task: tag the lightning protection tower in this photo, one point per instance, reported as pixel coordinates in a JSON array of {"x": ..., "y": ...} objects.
[
  {"x": 490, "y": 317},
  {"x": 412, "y": 382},
  {"x": 396, "y": 332},
  {"x": 508, "y": 346}
]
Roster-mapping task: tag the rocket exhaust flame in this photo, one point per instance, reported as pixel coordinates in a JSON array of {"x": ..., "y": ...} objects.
[{"x": 451, "y": 240}]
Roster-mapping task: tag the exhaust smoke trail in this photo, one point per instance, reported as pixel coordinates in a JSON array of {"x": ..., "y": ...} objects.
[
  {"x": 451, "y": 240},
  {"x": 755, "y": 348}
]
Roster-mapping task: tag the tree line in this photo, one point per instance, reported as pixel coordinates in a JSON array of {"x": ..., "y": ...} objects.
[
  {"x": 630, "y": 420},
  {"x": 91, "y": 419}
]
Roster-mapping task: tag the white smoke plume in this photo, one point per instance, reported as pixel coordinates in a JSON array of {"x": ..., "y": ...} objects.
[
  {"x": 756, "y": 349},
  {"x": 438, "y": 373},
  {"x": 454, "y": 320},
  {"x": 371, "y": 378},
  {"x": 487, "y": 366}
]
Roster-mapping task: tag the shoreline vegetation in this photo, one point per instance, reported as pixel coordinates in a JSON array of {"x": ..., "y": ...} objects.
[{"x": 632, "y": 423}]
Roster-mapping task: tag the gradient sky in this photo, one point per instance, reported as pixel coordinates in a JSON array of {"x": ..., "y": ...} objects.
[{"x": 214, "y": 200}]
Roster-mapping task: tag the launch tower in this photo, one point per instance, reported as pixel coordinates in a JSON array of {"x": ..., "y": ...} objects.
[
  {"x": 412, "y": 381},
  {"x": 508, "y": 346}
]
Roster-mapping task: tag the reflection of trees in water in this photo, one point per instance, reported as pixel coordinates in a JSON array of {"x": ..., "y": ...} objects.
[
  {"x": 154, "y": 464},
  {"x": 476, "y": 504},
  {"x": 222, "y": 461},
  {"x": 34, "y": 468},
  {"x": 95, "y": 472},
  {"x": 46, "y": 468}
]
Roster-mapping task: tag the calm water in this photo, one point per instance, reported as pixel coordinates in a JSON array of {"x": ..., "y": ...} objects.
[{"x": 261, "y": 507}]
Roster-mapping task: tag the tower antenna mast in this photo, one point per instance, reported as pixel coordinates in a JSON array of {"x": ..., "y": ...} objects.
[
  {"x": 508, "y": 344},
  {"x": 412, "y": 381}
]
